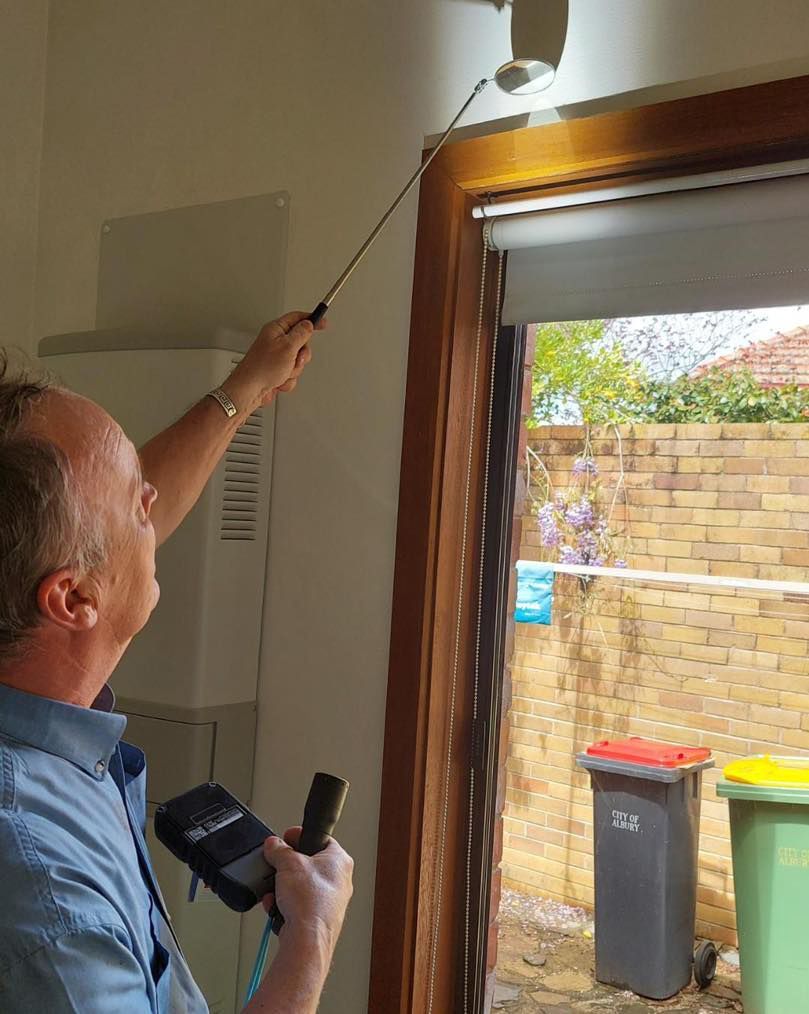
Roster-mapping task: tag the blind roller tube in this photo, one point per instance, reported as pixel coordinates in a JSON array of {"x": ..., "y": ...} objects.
[{"x": 741, "y": 245}]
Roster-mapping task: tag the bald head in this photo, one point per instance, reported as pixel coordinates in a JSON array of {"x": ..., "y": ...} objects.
[{"x": 90, "y": 439}]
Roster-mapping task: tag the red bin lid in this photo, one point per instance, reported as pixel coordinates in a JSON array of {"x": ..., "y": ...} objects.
[{"x": 648, "y": 753}]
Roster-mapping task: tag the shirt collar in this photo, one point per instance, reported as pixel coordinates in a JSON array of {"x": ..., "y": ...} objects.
[{"x": 86, "y": 737}]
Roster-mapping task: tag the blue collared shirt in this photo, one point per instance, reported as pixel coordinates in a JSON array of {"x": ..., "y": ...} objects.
[{"x": 82, "y": 924}]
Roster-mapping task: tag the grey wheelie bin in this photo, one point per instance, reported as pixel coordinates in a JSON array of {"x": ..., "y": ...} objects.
[{"x": 646, "y": 804}]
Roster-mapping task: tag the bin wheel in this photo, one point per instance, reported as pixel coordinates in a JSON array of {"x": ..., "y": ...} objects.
[{"x": 705, "y": 964}]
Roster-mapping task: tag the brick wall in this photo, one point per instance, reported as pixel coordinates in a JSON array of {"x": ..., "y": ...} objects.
[{"x": 693, "y": 664}]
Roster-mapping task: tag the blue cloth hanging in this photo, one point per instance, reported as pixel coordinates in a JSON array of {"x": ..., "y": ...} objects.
[{"x": 534, "y": 592}]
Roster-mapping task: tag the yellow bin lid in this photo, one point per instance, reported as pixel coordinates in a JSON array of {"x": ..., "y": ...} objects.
[{"x": 776, "y": 772}]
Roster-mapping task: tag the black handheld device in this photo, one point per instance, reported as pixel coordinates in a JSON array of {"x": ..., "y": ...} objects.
[{"x": 222, "y": 840}]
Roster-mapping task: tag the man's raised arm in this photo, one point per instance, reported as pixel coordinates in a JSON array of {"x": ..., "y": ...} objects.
[{"x": 179, "y": 461}]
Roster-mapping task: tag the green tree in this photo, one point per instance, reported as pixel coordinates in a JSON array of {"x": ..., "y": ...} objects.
[
  {"x": 721, "y": 396},
  {"x": 578, "y": 376}
]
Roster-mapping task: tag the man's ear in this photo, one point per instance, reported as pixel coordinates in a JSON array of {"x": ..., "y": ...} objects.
[{"x": 69, "y": 601}]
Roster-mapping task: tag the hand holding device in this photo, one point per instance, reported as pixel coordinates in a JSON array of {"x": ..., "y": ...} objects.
[
  {"x": 324, "y": 804},
  {"x": 223, "y": 841},
  {"x": 311, "y": 891}
]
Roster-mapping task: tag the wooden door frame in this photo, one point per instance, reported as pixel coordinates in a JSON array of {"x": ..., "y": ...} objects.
[{"x": 746, "y": 126}]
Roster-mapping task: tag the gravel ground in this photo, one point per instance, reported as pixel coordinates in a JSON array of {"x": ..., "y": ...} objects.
[{"x": 546, "y": 960}]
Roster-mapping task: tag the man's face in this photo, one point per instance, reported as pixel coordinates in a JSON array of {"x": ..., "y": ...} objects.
[
  {"x": 108, "y": 471},
  {"x": 129, "y": 590}
]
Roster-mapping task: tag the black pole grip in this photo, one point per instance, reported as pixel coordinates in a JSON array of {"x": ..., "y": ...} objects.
[
  {"x": 318, "y": 313},
  {"x": 324, "y": 804}
]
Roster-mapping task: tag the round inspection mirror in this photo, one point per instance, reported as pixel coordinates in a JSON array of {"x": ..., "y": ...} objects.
[{"x": 524, "y": 77}]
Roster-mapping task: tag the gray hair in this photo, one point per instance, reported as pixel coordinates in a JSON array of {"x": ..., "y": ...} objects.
[{"x": 45, "y": 523}]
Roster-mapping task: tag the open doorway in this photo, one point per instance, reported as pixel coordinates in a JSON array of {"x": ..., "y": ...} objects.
[{"x": 661, "y": 479}]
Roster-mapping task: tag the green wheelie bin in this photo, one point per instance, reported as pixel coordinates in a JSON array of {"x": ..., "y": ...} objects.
[{"x": 769, "y": 827}]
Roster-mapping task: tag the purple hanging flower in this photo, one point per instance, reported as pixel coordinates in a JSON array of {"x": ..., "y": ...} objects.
[
  {"x": 585, "y": 466},
  {"x": 574, "y": 525},
  {"x": 567, "y": 554},
  {"x": 580, "y": 515}
]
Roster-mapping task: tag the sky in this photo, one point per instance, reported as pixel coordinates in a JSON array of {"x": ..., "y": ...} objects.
[{"x": 770, "y": 321}]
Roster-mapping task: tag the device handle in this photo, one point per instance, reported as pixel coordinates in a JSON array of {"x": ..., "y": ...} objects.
[
  {"x": 316, "y": 316},
  {"x": 324, "y": 804}
]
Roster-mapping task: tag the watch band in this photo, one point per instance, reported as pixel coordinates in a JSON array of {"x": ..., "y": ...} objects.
[{"x": 224, "y": 400}]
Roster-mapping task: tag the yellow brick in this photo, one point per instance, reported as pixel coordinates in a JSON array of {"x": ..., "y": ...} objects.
[
  {"x": 788, "y": 466},
  {"x": 705, "y": 652},
  {"x": 764, "y": 739},
  {"x": 730, "y": 639},
  {"x": 701, "y": 466},
  {"x": 686, "y": 566},
  {"x": 698, "y": 431},
  {"x": 714, "y": 725},
  {"x": 784, "y": 502},
  {"x": 789, "y": 431},
  {"x": 720, "y": 518},
  {"x": 722, "y": 568},
  {"x": 683, "y": 532},
  {"x": 664, "y": 614},
  {"x": 754, "y": 695},
  {"x": 687, "y": 599},
  {"x": 770, "y": 625},
  {"x": 746, "y": 431},
  {"x": 663, "y": 547},
  {"x": 745, "y": 466},
  {"x": 723, "y": 448},
  {"x": 755, "y": 659},
  {"x": 678, "y": 448},
  {"x": 728, "y": 709},
  {"x": 797, "y": 740},
  {"x": 713, "y": 621},
  {"x": 740, "y": 501},
  {"x": 796, "y": 557},
  {"x": 654, "y": 464},
  {"x": 687, "y": 498},
  {"x": 761, "y": 554},
  {"x": 726, "y": 600},
  {"x": 770, "y": 448},
  {"x": 677, "y": 702},
  {"x": 767, "y": 483},
  {"x": 651, "y": 497},
  {"x": 782, "y": 645},
  {"x": 798, "y": 666},
  {"x": 764, "y": 519},
  {"x": 800, "y": 702},
  {"x": 796, "y": 628},
  {"x": 681, "y": 634}
]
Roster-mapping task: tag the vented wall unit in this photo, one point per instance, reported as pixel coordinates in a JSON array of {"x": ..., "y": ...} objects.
[
  {"x": 188, "y": 681},
  {"x": 182, "y": 295}
]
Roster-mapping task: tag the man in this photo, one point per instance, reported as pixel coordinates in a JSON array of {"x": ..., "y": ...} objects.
[{"x": 82, "y": 925}]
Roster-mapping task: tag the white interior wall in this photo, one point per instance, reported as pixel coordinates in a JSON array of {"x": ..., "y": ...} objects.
[
  {"x": 152, "y": 105},
  {"x": 23, "y": 39},
  {"x": 622, "y": 45}
]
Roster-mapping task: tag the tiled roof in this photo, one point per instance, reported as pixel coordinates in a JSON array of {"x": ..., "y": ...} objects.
[{"x": 782, "y": 359}]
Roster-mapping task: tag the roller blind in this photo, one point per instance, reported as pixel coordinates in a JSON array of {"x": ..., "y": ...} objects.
[{"x": 738, "y": 246}]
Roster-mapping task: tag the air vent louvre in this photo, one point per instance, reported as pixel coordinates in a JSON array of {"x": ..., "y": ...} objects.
[{"x": 238, "y": 520}]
